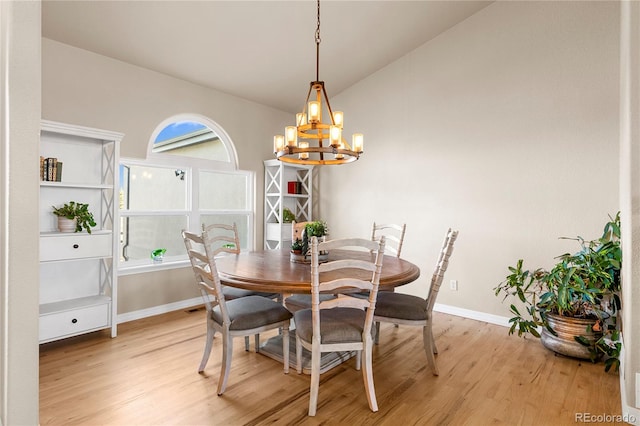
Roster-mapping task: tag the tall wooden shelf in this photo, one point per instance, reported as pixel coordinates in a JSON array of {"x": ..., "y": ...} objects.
[
  {"x": 78, "y": 271},
  {"x": 277, "y": 197}
]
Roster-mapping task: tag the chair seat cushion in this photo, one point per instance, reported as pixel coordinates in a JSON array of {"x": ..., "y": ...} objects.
[
  {"x": 303, "y": 301},
  {"x": 337, "y": 325},
  {"x": 231, "y": 293},
  {"x": 251, "y": 312},
  {"x": 401, "y": 306}
]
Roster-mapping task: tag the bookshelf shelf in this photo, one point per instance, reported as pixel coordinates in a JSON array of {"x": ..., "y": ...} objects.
[
  {"x": 78, "y": 185},
  {"x": 277, "y": 176}
]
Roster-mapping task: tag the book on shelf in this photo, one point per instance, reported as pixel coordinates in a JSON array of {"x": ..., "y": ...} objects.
[{"x": 50, "y": 169}]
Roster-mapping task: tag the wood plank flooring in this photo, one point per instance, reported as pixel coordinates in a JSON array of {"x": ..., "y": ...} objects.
[{"x": 148, "y": 376}]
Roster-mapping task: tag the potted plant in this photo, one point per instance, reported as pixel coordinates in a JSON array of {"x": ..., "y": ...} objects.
[
  {"x": 73, "y": 217},
  {"x": 296, "y": 247},
  {"x": 316, "y": 228},
  {"x": 157, "y": 255},
  {"x": 574, "y": 304},
  {"x": 287, "y": 216}
]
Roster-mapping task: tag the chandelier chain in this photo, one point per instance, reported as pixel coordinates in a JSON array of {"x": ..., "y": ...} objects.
[
  {"x": 318, "y": 45},
  {"x": 318, "y": 27}
]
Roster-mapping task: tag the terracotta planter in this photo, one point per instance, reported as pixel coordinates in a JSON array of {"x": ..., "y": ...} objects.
[
  {"x": 566, "y": 328},
  {"x": 66, "y": 225}
]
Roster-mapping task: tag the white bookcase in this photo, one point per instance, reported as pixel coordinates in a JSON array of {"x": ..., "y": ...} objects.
[
  {"x": 277, "y": 176},
  {"x": 78, "y": 271}
]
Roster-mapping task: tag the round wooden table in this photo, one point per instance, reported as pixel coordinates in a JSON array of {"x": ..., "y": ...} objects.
[{"x": 272, "y": 271}]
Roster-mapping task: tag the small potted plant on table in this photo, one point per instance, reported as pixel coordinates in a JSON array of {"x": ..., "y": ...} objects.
[
  {"x": 296, "y": 247},
  {"x": 316, "y": 228}
]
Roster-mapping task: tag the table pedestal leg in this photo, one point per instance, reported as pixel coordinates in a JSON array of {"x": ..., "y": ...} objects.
[{"x": 273, "y": 349}]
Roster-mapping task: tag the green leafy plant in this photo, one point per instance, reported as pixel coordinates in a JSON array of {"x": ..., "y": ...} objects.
[
  {"x": 80, "y": 212},
  {"x": 316, "y": 228},
  {"x": 157, "y": 253},
  {"x": 585, "y": 284},
  {"x": 287, "y": 216},
  {"x": 296, "y": 246}
]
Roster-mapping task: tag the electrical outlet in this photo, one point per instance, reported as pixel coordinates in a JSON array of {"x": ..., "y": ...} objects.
[{"x": 453, "y": 285}]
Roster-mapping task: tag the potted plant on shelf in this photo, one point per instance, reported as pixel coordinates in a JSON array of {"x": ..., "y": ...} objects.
[
  {"x": 73, "y": 217},
  {"x": 287, "y": 216},
  {"x": 575, "y": 304}
]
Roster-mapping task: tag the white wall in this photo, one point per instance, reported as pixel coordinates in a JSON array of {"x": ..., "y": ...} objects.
[
  {"x": 81, "y": 87},
  {"x": 19, "y": 135},
  {"x": 504, "y": 127}
]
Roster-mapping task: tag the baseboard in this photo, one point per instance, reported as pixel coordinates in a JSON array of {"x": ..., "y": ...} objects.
[
  {"x": 630, "y": 414},
  {"x": 184, "y": 304},
  {"x": 157, "y": 310},
  {"x": 475, "y": 315}
]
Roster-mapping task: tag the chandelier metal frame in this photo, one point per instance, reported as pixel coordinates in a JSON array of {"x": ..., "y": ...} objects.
[{"x": 297, "y": 146}]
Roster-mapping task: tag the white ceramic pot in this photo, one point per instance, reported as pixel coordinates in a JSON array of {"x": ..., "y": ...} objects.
[{"x": 66, "y": 225}]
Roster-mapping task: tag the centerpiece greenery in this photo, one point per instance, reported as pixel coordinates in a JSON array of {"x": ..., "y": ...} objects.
[
  {"x": 583, "y": 285},
  {"x": 316, "y": 228},
  {"x": 296, "y": 246}
]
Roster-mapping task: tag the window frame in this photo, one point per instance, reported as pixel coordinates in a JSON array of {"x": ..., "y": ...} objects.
[{"x": 192, "y": 167}]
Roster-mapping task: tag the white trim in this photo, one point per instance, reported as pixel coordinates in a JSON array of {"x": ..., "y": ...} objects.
[
  {"x": 160, "y": 309},
  {"x": 87, "y": 132},
  {"x": 215, "y": 127},
  {"x": 475, "y": 315},
  {"x": 189, "y": 303},
  {"x": 5, "y": 35},
  {"x": 630, "y": 414},
  {"x": 148, "y": 266}
]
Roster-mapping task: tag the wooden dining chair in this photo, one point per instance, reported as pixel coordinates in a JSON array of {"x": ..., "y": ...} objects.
[
  {"x": 296, "y": 302},
  {"x": 394, "y": 235},
  {"x": 343, "y": 323},
  {"x": 399, "y": 308},
  {"x": 225, "y": 239},
  {"x": 244, "y": 316}
]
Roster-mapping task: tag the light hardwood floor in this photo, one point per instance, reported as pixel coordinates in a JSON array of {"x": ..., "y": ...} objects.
[{"x": 148, "y": 376}]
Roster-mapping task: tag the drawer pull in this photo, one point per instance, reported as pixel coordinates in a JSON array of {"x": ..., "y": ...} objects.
[
  {"x": 75, "y": 246},
  {"x": 73, "y": 321}
]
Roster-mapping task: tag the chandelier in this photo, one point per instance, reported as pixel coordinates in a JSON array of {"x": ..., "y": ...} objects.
[{"x": 311, "y": 140}]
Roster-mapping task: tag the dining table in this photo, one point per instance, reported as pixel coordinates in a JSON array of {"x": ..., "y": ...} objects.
[{"x": 277, "y": 271}]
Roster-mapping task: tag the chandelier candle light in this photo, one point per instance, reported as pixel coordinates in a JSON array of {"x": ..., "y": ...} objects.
[{"x": 311, "y": 141}]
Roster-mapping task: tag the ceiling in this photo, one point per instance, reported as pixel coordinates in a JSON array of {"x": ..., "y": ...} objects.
[{"x": 263, "y": 51}]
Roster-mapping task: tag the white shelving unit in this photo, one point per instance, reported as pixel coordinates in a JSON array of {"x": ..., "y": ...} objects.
[
  {"x": 277, "y": 176},
  {"x": 78, "y": 271}
]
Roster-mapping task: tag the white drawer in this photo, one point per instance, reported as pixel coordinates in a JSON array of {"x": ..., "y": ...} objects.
[
  {"x": 72, "y": 322},
  {"x": 74, "y": 246}
]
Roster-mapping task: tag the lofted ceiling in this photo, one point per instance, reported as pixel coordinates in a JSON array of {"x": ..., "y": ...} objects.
[{"x": 263, "y": 51}]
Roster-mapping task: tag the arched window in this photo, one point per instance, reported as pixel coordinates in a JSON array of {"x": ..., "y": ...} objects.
[{"x": 190, "y": 177}]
